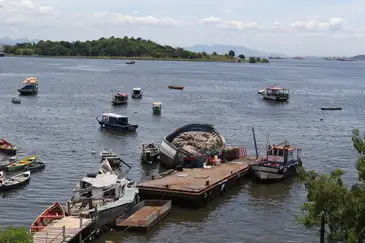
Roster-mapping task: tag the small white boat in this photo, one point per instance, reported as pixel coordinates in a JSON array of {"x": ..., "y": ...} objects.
[
  {"x": 137, "y": 93},
  {"x": 15, "y": 181},
  {"x": 275, "y": 93}
]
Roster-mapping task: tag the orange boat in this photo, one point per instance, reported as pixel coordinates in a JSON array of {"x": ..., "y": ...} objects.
[
  {"x": 7, "y": 147},
  {"x": 56, "y": 211},
  {"x": 176, "y": 87}
]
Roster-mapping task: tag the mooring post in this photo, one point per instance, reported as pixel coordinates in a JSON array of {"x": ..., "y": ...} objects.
[
  {"x": 322, "y": 227},
  {"x": 254, "y": 140},
  {"x": 64, "y": 233},
  {"x": 80, "y": 220},
  {"x": 68, "y": 207}
]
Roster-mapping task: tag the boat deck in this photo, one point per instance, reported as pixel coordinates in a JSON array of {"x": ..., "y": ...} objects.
[{"x": 63, "y": 230}]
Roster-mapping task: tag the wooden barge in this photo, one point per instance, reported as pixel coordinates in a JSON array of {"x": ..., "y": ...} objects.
[
  {"x": 67, "y": 230},
  {"x": 144, "y": 215},
  {"x": 195, "y": 187}
]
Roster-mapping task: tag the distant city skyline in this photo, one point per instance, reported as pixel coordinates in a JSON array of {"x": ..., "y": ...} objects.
[{"x": 306, "y": 28}]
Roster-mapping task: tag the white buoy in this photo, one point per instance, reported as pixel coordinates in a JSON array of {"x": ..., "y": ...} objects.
[{"x": 93, "y": 151}]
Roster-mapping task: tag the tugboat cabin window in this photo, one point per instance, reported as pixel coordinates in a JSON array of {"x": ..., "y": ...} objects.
[
  {"x": 118, "y": 121},
  {"x": 137, "y": 92}
]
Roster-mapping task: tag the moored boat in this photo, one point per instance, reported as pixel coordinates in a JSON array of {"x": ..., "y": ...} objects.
[
  {"x": 19, "y": 165},
  {"x": 30, "y": 87},
  {"x": 137, "y": 93},
  {"x": 281, "y": 161},
  {"x": 113, "y": 159},
  {"x": 35, "y": 166},
  {"x": 15, "y": 181},
  {"x": 119, "y": 98},
  {"x": 331, "y": 108},
  {"x": 7, "y": 148},
  {"x": 54, "y": 212},
  {"x": 156, "y": 108},
  {"x": 130, "y": 62},
  {"x": 176, "y": 87},
  {"x": 275, "y": 93},
  {"x": 116, "y": 122},
  {"x": 189, "y": 141},
  {"x": 150, "y": 153}
]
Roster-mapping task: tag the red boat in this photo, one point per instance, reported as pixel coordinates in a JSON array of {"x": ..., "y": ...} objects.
[
  {"x": 56, "y": 211},
  {"x": 7, "y": 147},
  {"x": 176, "y": 87}
]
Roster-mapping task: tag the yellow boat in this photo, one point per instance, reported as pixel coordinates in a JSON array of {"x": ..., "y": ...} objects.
[{"x": 22, "y": 163}]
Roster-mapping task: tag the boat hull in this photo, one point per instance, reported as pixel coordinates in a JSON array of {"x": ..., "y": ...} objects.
[
  {"x": 56, "y": 211},
  {"x": 15, "y": 167},
  {"x": 28, "y": 91},
  {"x": 137, "y": 96},
  {"x": 8, "y": 151},
  {"x": 262, "y": 172},
  {"x": 276, "y": 98},
  {"x": 14, "y": 186},
  {"x": 125, "y": 128},
  {"x": 176, "y": 87},
  {"x": 116, "y": 102},
  {"x": 36, "y": 166}
]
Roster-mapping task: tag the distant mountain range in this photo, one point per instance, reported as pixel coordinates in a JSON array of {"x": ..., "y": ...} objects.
[
  {"x": 358, "y": 57},
  {"x": 9, "y": 41},
  {"x": 224, "y": 49}
]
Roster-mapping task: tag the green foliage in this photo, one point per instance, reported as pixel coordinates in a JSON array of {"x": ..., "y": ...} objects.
[
  {"x": 15, "y": 235},
  {"x": 265, "y": 60},
  {"x": 343, "y": 207},
  {"x": 252, "y": 60},
  {"x": 231, "y": 53},
  {"x": 258, "y": 59},
  {"x": 242, "y": 56},
  {"x": 214, "y": 54}
]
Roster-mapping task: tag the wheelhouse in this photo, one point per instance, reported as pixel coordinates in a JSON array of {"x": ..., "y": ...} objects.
[
  {"x": 121, "y": 97},
  {"x": 282, "y": 153},
  {"x": 114, "y": 119},
  {"x": 137, "y": 91},
  {"x": 277, "y": 91}
]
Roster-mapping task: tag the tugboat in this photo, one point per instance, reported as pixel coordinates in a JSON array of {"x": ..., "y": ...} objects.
[
  {"x": 281, "y": 161},
  {"x": 116, "y": 122},
  {"x": 30, "y": 88},
  {"x": 119, "y": 98},
  {"x": 137, "y": 93},
  {"x": 275, "y": 93}
]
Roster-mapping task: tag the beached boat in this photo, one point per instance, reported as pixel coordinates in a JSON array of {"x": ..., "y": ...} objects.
[
  {"x": 103, "y": 196},
  {"x": 20, "y": 165},
  {"x": 130, "y": 62},
  {"x": 7, "y": 148},
  {"x": 137, "y": 93},
  {"x": 35, "y": 166},
  {"x": 30, "y": 87},
  {"x": 156, "y": 108},
  {"x": 116, "y": 122},
  {"x": 189, "y": 141},
  {"x": 176, "y": 87},
  {"x": 150, "y": 153},
  {"x": 119, "y": 98},
  {"x": 15, "y": 181},
  {"x": 281, "y": 161},
  {"x": 275, "y": 93},
  {"x": 16, "y": 101},
  {"x": 52, "y": 213}
]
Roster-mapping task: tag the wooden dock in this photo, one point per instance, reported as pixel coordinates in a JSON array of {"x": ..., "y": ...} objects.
[
  {"x": 144, "y": 215},
  {"x": 196, "y": 186},
  {"x": 68, "y": 229}
]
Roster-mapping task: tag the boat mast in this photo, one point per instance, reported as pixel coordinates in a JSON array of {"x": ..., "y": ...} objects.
[{"x": 254, "y": 139}]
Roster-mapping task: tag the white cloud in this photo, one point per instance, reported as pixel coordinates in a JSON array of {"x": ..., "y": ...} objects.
[
  {"x": 231, "y": 25},
  {"x": 334, "y": 24}
]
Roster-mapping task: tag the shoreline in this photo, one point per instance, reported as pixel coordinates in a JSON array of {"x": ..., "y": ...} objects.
[{"x": 223, "y": 60}]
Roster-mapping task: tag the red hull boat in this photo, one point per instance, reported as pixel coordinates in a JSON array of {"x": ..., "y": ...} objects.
[
  {"x": 56, "y": 211},
  {"x": 176, "y": 87}
]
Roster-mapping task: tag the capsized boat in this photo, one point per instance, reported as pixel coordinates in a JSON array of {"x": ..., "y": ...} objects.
[
  {"x": 20, "y": 165},
  {"x": 31, "y": 86},
  {"x": 176, "y": 87},
  {"x": 15, "y": 181},
  {"x": 52, "y": 213},
  {"x": 189, "y": 141},
  {"x": 119, "y": 98},
  {"x": 275, "y": 93},
  {"x": 281, "y": 161},
  {"x": 156, "y": 108},
  {"x": 137, "y": 93},
  {"x": 7, "y": 148},
  {"x": 116, "y": 122},
  {"x": 103, "y": 196}
]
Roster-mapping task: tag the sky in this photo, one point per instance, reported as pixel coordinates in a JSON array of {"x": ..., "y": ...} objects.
[{"x": 292, "y": 27}]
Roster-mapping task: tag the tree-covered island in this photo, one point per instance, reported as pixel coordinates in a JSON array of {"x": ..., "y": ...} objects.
[{"x": 121, "y": 48}]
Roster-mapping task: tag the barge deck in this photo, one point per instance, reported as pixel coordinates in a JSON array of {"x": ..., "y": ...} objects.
[{"x": 194, "y": 187}]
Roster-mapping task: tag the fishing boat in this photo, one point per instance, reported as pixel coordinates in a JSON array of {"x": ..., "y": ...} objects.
[
  {"x": 150, "y": 153},
  {"x": 103, "y": 196},
  {"x": 275, "y": 93},
  {"x": 16, "y": 101},
  {"x": 52, "y": 213},
  {"x": 189, "y": 141},
  {"x": 137, "y": 93},
  {"x": 35, "y": 166},
  {"x": 331, "y": 108},
  {"x": 156, "y": 108},
  {"x": 119, "y": 98},
  {"x": 30, "y": 87},
  {"x": 176, "y": 87},
  {"x": 281, "y": 161},
  {"x": 7, "y": 148},
  {"x": 116, "y": 122},
  {"x": 20, "y": 165},
  {"x": 130, "y": 62},
  {"x": 15, "y": 181},
  {"x": 7, "y": 161}
]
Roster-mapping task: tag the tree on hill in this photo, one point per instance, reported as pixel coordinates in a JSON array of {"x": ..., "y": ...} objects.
[
  {"x": 242, "y": 56},
  {"x": 231, "y": 53},
  {"x": 337, "y": 208}
]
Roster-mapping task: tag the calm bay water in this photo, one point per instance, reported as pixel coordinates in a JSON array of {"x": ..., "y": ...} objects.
[{"x": 61, "y": 118}]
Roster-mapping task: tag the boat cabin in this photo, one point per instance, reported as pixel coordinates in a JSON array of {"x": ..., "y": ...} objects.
[
  {"x": 282, "y": 153},
  {"x": 121, "y": 97},
  {"x": 137, "y": 91},
  {"x": 277, "y": 91},
  {"x": 114, "y": 119},
  {"x": 156, "y": 106},
  {"x": 30, "y": 80}
]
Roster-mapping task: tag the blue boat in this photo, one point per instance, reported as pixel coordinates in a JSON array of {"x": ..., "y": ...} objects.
[
  {"x": 116, "y": 122},
  {"x": 30, "y": 88}
]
